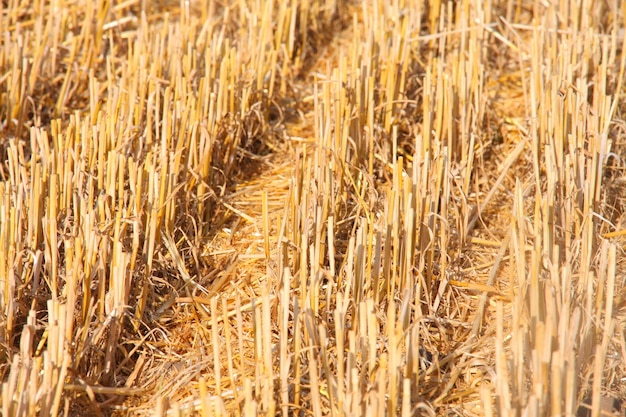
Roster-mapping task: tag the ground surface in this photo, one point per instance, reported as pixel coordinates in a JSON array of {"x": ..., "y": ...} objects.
[{"x": 312, "y": 207}]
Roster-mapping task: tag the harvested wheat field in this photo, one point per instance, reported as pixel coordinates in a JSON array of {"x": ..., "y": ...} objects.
[{"x": 312, "y": 208}]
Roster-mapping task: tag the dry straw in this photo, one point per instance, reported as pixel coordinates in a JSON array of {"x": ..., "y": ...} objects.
[{"x": 312, "y": 207}]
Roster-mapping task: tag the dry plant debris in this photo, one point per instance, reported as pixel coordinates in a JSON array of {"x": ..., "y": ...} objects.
[{"x": 312, "y": 207}]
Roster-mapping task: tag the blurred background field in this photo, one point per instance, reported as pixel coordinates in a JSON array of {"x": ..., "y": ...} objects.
[{"x": 312, "y": 207}]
